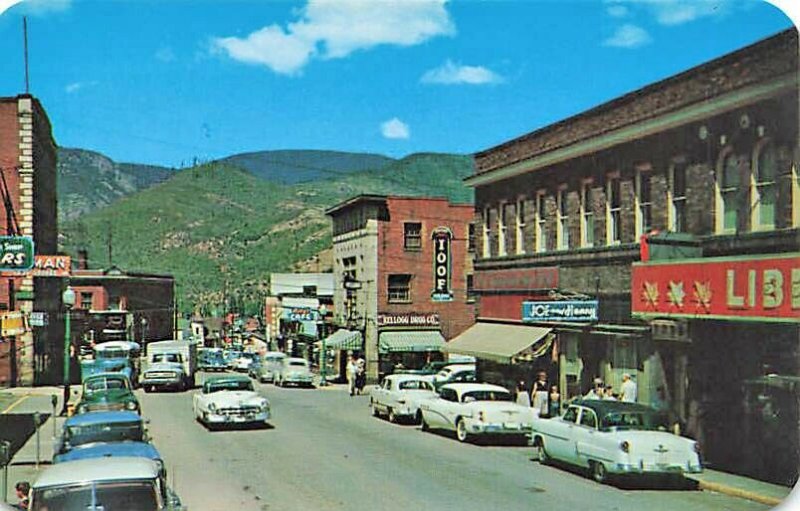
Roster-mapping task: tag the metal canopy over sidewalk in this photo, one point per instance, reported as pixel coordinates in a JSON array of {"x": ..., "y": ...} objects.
[
  {"x": 343, "y": 339},
  {"x": 498, "y": 342},
  {"x": 430, "y": 340}
]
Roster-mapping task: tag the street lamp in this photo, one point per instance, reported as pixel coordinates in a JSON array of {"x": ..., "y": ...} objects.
[
  {"x": 323, "y": 354},
  {"x": 68, "y": 298}
]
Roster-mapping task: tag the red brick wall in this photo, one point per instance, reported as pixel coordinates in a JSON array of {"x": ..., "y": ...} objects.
[
  {"x": 99, "y": 296},
  {"x": 504, "y": 306},
  {"x": 9, "y": 162},
  {"x": 456, "y": 315}
]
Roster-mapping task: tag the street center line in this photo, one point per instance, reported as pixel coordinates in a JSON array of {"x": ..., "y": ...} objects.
[{"x": 15, "y": 403}]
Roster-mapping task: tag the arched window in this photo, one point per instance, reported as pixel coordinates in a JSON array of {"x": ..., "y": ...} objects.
[
  {"x": 728, "y": 184},
  {"x": 764, "y": 188}
]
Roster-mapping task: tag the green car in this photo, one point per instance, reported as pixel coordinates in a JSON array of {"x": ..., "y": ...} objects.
[{"x": 107, "y": 391}]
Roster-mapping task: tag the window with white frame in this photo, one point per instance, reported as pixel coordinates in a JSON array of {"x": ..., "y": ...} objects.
[
  {"x": 728, "y": 189},
  {"x": 486, "y": 230},
  {"x": 613, "y": 209},
  {"x": 541, "y": 220},
  {"x": 764, "y": 188},
  {"x": 412, "y": 236},
  {"x": 399, "y": 288},
  {"x": 471, "y": 237},
  {"x": 501, "y": 229},
  {"x": 587, "y": 215},
  {"x": 677, "y": 202},
  {"x": 562, "y": 220},
  {"x": 520, "y": 237},
  {"x": 644, "y": 203}
]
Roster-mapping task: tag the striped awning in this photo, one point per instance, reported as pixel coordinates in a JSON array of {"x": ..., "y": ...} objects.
[
  {"x": 343, "y": 339},
  {"x": 502, "y": 342},
  {"x": 410, "y": 340}
]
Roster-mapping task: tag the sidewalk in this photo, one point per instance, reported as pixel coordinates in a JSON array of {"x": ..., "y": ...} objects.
[{"x": 742, "y": 487}]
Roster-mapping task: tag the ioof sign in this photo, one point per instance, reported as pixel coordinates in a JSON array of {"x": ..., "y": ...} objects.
[{"x": 442, "y": 274}]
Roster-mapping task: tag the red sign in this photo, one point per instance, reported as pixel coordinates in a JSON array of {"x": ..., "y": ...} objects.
[
  {"x": 51, "y": 266},
  {"x": 761, "y": 288},
  {"x": 530, "y": 279}
]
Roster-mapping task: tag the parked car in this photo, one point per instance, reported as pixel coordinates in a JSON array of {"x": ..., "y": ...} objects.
[
  {"x": 211, "y": 359},
  {"x": 92, "y": 428},
  {"x": 107, "y": 391},
  {"x": 230, "y": 400},
  {"x": 294, "y": 371},
  {"x": 428, "y": 369},
  {"x": 242, "y": 364},
  {"x": 268, "y": 366},
  {"x": 107, "y": 484},
  {"x": 399, "y": 395},
  {"x": 231, "y": 356},
  {"x": 612, "y": 437},
  {"x": 472, "y": 409},
  {"x": 454, "y": 373}
]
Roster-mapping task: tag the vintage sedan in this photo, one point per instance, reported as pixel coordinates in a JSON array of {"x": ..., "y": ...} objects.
[
  {"x": 294, "y": 371},
  {"x": 227, "y": 400},
  {"x": 268, "y": 366},
  {"x": 472, "y": 409},
  {"x": 93, "y": 428},
  {"x": 615, "y": 438},
  {"x": 399, "y": 396},
  {"x": 107, "y": 391},
  {"x": 454, "y": 373},
  {"x": 211, "y": 359}
]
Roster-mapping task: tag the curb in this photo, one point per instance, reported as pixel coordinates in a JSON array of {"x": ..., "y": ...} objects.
[{"x": 738, "y": 492}]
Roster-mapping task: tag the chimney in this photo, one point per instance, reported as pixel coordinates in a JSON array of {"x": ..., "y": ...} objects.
[{"x": 83, "y": 259}]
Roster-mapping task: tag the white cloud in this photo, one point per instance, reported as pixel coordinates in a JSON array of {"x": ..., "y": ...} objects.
[
  {"x": 165, "y": 54},
  {"x": 395, "y": 128},
  {"x": 451, "y": 73},
  {"x": 7, "y": 4},
  {"x": 330, "y": 29},
  {"x": 617, "y": 11},
  {"x": 678, "y": 12},
  {"x": 74, "y": 87},
  {"x": 36, "y": 7},
  {"x": 628, "y": 36}
]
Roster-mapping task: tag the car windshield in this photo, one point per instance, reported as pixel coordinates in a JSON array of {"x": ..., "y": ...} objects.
[
  {"x": 444, "y": 373},
  {"x": 117, "y": 432},
  {"x": 100, "y": 384},
  {"x": 167, "y": 357},
  {"x": 229, "y": 385},
  {"x": 486, "y": 395},
  {"x": 111, "y": 496},
  {"x": 639, "y": 420},
  {"x": 414, "y": 385}
]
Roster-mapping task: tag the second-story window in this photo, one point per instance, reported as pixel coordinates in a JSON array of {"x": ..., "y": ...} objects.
[
  {"x": 470, "y": 288},
  {"x": 399, "y": 288},
  {"x": 520, "y": 231},
  {"x": 412, "y": 236},
  {"x": 471, "y": 237},
  {"x": 587, "y": 215},
  {"x": 501, "y": 229},
  {"x": 562, "y": 220},
  {"x": 613, "y": 210},
  {"x": 485, "y": 234},
  {"x": 86, "y": 301},
  {"x": 765, "y": 191},
  {"x": 644, "y": 203},
  {"x": 541, "y": 222},
  {"x": 728, "y": 186},
  {"x": 677, "y": 187}
]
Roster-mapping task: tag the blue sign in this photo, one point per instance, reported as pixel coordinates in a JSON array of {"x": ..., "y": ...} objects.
[{"x": 571, "y": 310}]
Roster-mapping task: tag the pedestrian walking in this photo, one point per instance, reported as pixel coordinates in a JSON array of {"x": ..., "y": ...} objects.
[
  {"x": 539, "y": 394},
  {"x": 23, "y": 489},
  {"x": 523, "y": 398},
  {"x": 352, "y": 373},
  {"x": 555, "y": 401},
  {"x": 628, "y": 389},
  {"x": 361, "y": 374}
]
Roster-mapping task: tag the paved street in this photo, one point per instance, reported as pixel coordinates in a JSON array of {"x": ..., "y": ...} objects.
[{"x": 325, "y": 452}]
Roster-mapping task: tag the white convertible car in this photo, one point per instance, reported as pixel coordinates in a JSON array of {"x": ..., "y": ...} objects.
[
  {"x": 230, "y": 400},
  {"x": 472, "y": 409},
  {"x": 612, "y": 437},
  {"x": 399, "y": 396}
]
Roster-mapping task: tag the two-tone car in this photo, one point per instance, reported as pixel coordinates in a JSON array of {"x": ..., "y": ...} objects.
[
  {"x": 476, "y": 409},
  {"x": 228, "y": 400},
  {"x": 107, "y": 391},
  {"x": 615, "y": 438},
  {"x": 399, "y": 395},
  {"x": 294, "y": 371}
]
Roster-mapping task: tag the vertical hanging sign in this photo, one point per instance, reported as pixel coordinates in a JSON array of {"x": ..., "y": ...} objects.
[{"x": 442, "y": 268}]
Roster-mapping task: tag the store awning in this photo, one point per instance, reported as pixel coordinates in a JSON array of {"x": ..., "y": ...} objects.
[
  {"x": 343, "y": 339},
  {"x": 410, "y": 340},
  {"x": 501, "y": 342}
]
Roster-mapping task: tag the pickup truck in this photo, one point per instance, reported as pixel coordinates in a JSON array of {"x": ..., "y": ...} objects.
[{"x": 170, "y": 364}]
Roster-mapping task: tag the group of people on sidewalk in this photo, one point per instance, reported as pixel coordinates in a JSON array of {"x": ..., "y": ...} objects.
[
  {"x": 546, "y": 399},
  {"x": 356, "y": 374},
  {"x": 603, "y": 391}
]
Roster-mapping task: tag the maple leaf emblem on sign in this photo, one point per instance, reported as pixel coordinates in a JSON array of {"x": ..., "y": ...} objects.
[
  {"x": 702, "y": 295},
  {"x": 676, "y": 293},
  {"x": 650, "y": 294}
]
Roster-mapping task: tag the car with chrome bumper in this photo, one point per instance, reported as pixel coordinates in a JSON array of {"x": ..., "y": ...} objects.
[
  {"x": 476, "y": 409},
  {"x": 399, "y": 395},
  {"x": 294, "y": 371},
  {"x": 165, "y": 370},
  {"x": 228, "y": 400},
  {"x": 107, "y": 392},
  {"x": 615, "y": 438},
  {"x": 267, "y": 366}
]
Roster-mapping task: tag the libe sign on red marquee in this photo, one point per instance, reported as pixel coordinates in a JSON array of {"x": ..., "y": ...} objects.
[{"x": 759, "y": 288}]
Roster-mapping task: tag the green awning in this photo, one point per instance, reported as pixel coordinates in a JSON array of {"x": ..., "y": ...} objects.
[
  {"x": 502, "y": 342},
  {"x": 343, "y": 339},
  {"x": 410, "y": 340}
]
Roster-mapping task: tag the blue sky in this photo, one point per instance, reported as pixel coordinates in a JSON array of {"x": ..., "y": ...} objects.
[{"x": 167, "y": 81}]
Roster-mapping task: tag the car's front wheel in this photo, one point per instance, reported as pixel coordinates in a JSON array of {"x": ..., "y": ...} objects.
[
  {"x": 599, "y": 473},
  {"x": 541, "y": 453},
  {"x": 461, "y": 431},
  {"x": 423, "y": 423},
  {"x": 392, "y": 416}
]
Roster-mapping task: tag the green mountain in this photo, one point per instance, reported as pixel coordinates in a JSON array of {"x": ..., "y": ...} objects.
[
  {"x": 88, "y": 180},
  {"x": 297, "y": 166},
  {"x": 221, "y": 231}
]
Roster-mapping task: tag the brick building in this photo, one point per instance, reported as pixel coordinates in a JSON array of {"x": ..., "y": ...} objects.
[
  {"x": 403, "y": 270},
  {"x": 708, "y": 160},
  {"x": 28, "y": 189}
]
